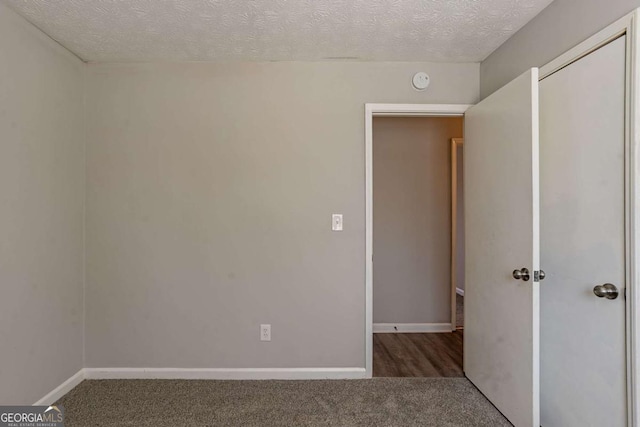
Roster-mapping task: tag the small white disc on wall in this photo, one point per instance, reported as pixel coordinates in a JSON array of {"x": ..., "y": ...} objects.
[{"x": 421, "y": 80}]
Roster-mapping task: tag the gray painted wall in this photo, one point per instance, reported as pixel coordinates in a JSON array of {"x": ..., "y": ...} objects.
[
  {"x": 412, "y": 218},
  {"x": 41, "y": 220},
  {"x": 559, "y": 27},
  {"x": 210, "y": 189}
]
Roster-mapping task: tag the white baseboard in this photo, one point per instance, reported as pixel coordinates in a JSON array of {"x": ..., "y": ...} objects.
[
  {"x": 460, "y": 291},
  {"x": 62, "y": 389},
  {"x": 410, "y": 327},
  {"x": 201, "y": 374},
  {"x": 226, "y": 374}
]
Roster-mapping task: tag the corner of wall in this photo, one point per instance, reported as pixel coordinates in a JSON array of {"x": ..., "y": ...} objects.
[{"x": 85, "y": 133}]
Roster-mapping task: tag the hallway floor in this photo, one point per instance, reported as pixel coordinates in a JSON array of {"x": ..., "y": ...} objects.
[
  {"x": 418, "y": 355},
  {"x": 459, "y": 311}
]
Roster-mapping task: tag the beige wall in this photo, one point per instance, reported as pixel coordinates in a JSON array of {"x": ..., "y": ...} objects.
[
  {"x": 559, "y": 27},
  {"x": 412, "y": 218},
  {"x": 41, "y": 220},
  {"x": 210, "y": 189}
]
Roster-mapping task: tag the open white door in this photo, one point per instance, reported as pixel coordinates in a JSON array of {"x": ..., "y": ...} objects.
[{"x": 501, "y": 336}]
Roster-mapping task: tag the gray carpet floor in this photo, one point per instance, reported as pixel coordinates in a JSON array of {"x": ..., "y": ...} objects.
[{"x": 376, "y": 402}]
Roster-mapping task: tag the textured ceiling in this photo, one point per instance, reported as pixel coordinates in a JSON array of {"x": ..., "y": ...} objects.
[{"x": 279, "y": 30}]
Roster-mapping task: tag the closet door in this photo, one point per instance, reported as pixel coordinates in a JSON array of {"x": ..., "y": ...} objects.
[
  {"x": 582, "y": 161},
  {"x": 501, "y": 336}
]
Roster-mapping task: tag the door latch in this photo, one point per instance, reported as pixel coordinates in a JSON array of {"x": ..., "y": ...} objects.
[
  {"x": 539, "y": 275},
  {"x": 523, "y": 274}
]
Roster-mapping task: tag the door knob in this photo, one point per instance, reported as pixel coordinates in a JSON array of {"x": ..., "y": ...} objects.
[
  {"x": 607, "y": 291},
  {"x": 522, "y": 274}
]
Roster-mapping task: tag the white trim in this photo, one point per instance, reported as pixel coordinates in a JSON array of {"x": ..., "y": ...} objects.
[
  {"x": 406, "y": 328},
  {"x": 371, "y": 110},
  {"x": 460, "y": 292},
  {"x": 633, "y": 219},
  {"x": 225, "y": 373},
  {"x": 454, "y": 228},
  {"x": 64, "y": 388},
  {"x": 625, "y": 25},
  {"x": 420, "y": 110}
]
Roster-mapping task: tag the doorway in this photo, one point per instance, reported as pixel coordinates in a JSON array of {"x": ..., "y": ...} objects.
[
  {"x": 387, "y": 110},
  {"x": 414, "y": 308}
]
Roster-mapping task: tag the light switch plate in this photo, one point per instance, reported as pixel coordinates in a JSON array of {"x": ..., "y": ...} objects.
[{"x": 336, "y": 222}]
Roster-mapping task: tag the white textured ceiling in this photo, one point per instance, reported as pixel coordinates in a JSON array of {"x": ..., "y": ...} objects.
[{"x": 279, "y": 30}]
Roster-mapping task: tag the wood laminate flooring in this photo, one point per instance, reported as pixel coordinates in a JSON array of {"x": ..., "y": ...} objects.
[
  {"x": 418, "y": 355},
  {"x": 459, "y": 311}
]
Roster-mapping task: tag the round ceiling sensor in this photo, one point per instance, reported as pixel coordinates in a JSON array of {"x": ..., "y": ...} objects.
[{"x": 421, "y": 80}]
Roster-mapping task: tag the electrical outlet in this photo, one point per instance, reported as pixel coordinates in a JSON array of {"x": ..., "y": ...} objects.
[{"x": 265, "y": 332}]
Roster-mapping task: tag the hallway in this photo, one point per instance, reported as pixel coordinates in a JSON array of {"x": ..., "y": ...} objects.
[{"x": 418, "y": 355}]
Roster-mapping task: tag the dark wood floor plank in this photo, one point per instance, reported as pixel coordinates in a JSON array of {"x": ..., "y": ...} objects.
[
  {"x": 434, "y": 349},
  {"x": 413, "y": 358},
  {"x": 446, "y": 349},
  {"x": 403, "y": 358},
  {"x": 418, "y": 355},
  {"x": 383, "y": 364}
]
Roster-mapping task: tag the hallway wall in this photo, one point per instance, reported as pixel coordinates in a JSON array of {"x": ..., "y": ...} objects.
[{"x": 412, "y": 218}]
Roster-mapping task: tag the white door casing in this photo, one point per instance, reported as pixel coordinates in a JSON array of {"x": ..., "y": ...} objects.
[
  {"x": 501, "y": 339},
  {"x": 386, "y": 110},
  {"x": 457, "y": 225}
]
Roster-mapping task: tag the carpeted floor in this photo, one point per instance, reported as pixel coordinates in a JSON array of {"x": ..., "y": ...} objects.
[{"x": 375, "y": 402}]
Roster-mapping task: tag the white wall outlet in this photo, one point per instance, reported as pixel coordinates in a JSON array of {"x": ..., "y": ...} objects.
[
  {"x": 336, "y": 222},
  {"x": 265, "y": 332}
]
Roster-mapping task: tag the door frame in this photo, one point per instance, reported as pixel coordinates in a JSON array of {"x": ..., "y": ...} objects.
[
  {"x": 626, "y": 25},
  {"x": 387, "y": 110},
  {"x": 455, "y": 143}
]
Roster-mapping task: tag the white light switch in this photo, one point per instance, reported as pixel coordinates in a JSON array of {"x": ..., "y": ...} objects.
[{"x": 336, "y": 222}]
